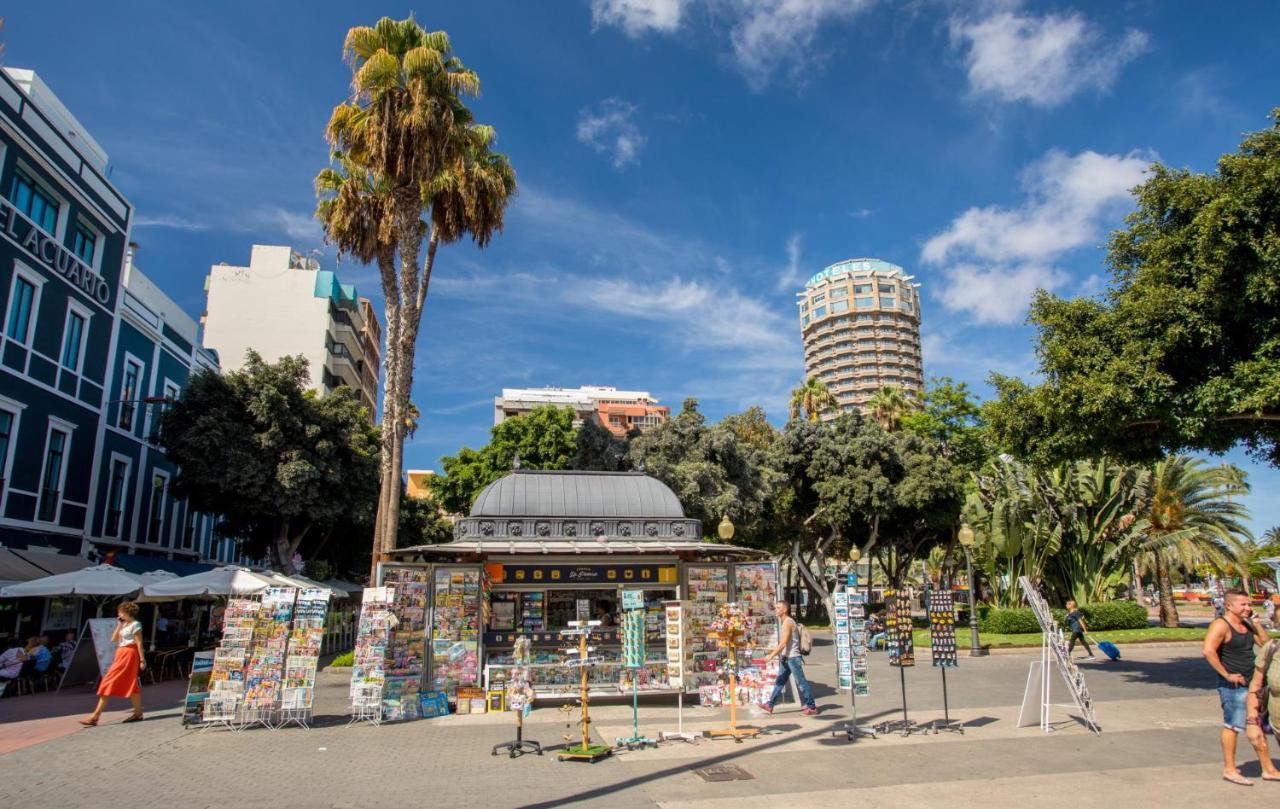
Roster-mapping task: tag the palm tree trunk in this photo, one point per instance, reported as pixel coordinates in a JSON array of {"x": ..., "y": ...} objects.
[
  {"x": 390, "y": 356},
  {"x": 1168, "y": 612}
]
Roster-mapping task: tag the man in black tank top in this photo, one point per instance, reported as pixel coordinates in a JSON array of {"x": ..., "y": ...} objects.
[{"x": 1228, "y": 647}]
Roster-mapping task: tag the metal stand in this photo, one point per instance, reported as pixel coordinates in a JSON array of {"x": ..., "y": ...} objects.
[
  {"x": 851, "y": 729},
  {"x": 518, "y": 747},
  {"x": 678, "y": 734},
  {"x": 586, "y": 751},
  {"x": 221, "y": 710},
  {"x": 294, "y": 716},
  {"x": 636, "y": 742},
  {"x": 734, "y": 731},
  {"x": 945, "y": 723},
  {"x": 1053, "y": 653},
  {"x": 366, "y": 705},
  {"x": 904, "y": 725}
]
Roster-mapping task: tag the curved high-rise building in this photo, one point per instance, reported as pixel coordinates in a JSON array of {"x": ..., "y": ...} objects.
[{"x": 860, "y": 320}]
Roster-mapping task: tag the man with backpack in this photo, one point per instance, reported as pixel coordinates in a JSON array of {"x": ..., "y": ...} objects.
[
  {"x": 1263, "y": 707},
  {"x": 794, "y": 642},
  {"x": 1228, "y": 646}
]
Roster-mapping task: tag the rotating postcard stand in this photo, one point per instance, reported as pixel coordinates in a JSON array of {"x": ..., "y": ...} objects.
[
  {"x": 851, "y": 659},
  {"x": 584, "y": 751},
  {"x": 901, "y": 649},
  {"x": 519, "y": 698},
  {"x": 633, "y": 649},
  {"x": 728, "y": 628},
  {"x": 678, "y": 657}
]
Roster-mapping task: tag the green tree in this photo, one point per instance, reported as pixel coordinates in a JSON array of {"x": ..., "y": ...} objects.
[
  {"x": 421, "y": 523},
  {"x": 952, "y": 418},
  {"x": 1192, "y": 519},
  {"x": 407, "y": 131},
  {"x": 1268, "y": 549},
  {"x": 812, "y": 398},
  {"x": 281, "y": 466},
  {"x": 889, "y": 406},
  {"x": 1183, "y": 351},
  {"x": 712, "y": 471},
  {"x": 544, "y": 438}
]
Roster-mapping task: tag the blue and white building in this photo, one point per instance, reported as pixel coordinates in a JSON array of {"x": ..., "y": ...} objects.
[{"x": 90, "y": 351}]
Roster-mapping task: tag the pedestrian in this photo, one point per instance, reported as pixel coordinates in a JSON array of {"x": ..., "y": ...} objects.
[
  {"x": 1271, "y": 612},
  {"x": 67, "y": 649},
  {"x": 1229, "y": 648},
  {"x": 1075, "y": 623},
  {"x": 1263, "y": 704},
  {"x": 791, "y": 662},
  {"x": 11, "y": 665},
  {"x": 122, "y": 678}
]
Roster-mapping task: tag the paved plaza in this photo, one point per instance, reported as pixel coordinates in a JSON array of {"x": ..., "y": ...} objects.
[{"x": 1157, "y": 709}]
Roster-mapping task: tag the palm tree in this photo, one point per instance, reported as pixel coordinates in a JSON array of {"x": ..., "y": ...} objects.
[
  {"x": 406, "y": 125},
  {"x": 888, "y": 406},
  {"x": 813, "y": 398},
  {"x": 1192, "y": 519}
]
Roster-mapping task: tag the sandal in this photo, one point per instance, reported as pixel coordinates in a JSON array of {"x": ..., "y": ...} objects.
[
  {"x": 133, "y": 718},
  {"x": 1238, "y": 779},
  {"x": 89, "y": 722}
]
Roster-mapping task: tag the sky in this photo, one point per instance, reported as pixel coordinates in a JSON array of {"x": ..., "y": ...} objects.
[{"x": 684, "y": 166}]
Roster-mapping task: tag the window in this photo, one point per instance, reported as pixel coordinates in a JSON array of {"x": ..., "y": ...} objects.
[
  {"x": 156, "y": 517},
  {"x": 906, "y": 306},
  {"x": 51, "y": 481},
  {"x": 887, "y": 288},
  {"x": 804, "y": 321},
  {"x": 864, "y": 317},
  {"x": 888, "y": 303},
  {"x": 83, "y": 242},
  {"x": 821, "y": 311},
  {"x": 128, "y": 395},
  {"x": 193, "y": 527},
  {"x": 817, "y": 299},
  {"x": 116, "y": 492},
  {"x": 6, "y": 438},
  {"x": 72, "y": 339},
  {"x": 861, "y": 289},
  {"x": 864, "y": 303},
  {"x": 34, "y": 201},
  {"x": 839, "y": 306},
  {"x": 840, "y": 292},
  {"x": 21, "y": 305}
]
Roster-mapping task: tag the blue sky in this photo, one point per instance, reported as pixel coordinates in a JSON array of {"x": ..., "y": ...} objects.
[{"x": 684, "y": 165}]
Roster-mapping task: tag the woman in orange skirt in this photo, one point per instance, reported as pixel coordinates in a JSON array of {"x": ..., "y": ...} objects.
[{"x": 122, "y": 678}]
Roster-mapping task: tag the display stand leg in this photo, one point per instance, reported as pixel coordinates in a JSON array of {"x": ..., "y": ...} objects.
[
  {"x": 945, "y": 723},
  {"x": 734, "y": 731},
  {"x": 636, "y": 742},
  {"x": 903, "y": 725},
  {"x": 679, "y": 734},
  {"x": 851, "y": 729},
  {"x": 519, "y": 746}
]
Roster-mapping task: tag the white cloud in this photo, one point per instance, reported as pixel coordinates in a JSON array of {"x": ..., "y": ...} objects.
[
  {"x": 611, "y": 129},
  {"x": 1042, "y": 60},
  {"x": 994, "y": 258},
  {"x": 170, "y": 221},
  {"x": 637, "y": 17},
  {"x": 793, "y": 275},
  {"x": 302, "y": 228},
  {"x": 773, "y": 37}
]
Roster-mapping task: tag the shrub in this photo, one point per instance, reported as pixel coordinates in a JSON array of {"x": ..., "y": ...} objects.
[
  {"x": 344, "y": 659},
  {"x": 1018, "y": 621},
  {"x": 1115, "y": 615}
]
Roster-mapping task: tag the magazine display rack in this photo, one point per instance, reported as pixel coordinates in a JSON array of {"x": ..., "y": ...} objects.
[
  {"x": 727, "y": 629},
  {"x": 1053, "y": 654},
  {"x": 298, "y": 697},
  {"x": 519, "y": 698}
]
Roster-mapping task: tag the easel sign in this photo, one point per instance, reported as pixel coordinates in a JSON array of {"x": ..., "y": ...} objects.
[{"x": 94, "y": 652}]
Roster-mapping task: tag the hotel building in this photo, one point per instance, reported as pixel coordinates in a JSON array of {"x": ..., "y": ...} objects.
[
  {"x": 619, "y": 411},
  {"x": 283, "y": 304},
  {"x": 860, "y": 321}
]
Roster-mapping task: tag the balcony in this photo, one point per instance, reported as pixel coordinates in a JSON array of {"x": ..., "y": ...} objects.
[{"x": 342, "y": 367}]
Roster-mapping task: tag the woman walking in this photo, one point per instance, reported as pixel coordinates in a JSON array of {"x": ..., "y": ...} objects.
[{"x": 122, "y": 678}]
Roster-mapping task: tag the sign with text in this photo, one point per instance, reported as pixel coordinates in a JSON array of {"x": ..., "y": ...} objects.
[{"x": 586, "y": 574}]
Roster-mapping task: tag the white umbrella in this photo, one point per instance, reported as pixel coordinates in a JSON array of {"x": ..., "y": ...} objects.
[
  {"x": 301, "y": 582},
  {"x": 229, "y": 580},
  {"x": 100, "y": 580}
]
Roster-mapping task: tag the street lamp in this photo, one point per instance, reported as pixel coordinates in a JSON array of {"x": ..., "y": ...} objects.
[
  {"x": 965, "y": 535},
  {"x": 725, "y": 529}
]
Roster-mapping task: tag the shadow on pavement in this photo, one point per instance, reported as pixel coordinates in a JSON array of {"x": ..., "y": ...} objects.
[{"x": 1191, "y": 673}]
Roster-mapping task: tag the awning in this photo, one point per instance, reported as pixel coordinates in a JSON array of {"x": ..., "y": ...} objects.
[
  {"x": 100, "y": 580},
  {"x": 13, "y": 568},
  {"x": 621, "y": 547},
  {"x": 137, "y": 563},
  {"x": 50, "y": 562}
]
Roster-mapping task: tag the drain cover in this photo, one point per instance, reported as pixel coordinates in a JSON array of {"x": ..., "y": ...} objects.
[{"x": 724, "y": 772}]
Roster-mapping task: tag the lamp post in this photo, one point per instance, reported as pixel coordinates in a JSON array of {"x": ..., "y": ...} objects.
[
  {"x": 725, "y": 529},
  {"x": 965, "y": 535}
]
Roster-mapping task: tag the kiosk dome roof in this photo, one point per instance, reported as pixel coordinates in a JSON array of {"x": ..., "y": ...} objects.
[{"x": 534, "y": 493}]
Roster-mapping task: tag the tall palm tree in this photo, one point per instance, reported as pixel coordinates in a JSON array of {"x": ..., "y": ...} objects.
[
  {"x": 813, "y": 398},
  {"x": 406, "y": 124},
  {"x": 1192, "y": 519},
  {"x": 888, "y": 406}
]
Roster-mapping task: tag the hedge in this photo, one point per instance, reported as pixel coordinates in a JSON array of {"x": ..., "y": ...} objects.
[
  {"x": 344, "y": 659},
  {"x": 1098, "y": 617}
]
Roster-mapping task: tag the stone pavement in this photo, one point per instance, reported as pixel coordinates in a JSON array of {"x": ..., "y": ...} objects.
[{"x": 1157, "y": 709}]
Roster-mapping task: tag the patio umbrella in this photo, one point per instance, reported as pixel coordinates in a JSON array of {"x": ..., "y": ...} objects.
[
  {"x": 228, "y": 580},
  {"x": 99, "y": 580},
  {"x": 301, "y": 582}
]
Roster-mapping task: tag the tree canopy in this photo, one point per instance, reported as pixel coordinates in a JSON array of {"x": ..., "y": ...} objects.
[
  {"x": 280, "y": 465},
  {"x": 1183, "y": 351}
]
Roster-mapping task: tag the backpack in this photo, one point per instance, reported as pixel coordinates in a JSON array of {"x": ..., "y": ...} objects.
[{"x": 806, "y": 639}]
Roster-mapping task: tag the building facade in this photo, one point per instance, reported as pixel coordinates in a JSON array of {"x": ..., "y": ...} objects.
[
  {"x": 619, "y": 411},
  {"x": 860, "y": 321},
  {"x": 89, "y": 351},
  {"x": 283, "y": 304}
]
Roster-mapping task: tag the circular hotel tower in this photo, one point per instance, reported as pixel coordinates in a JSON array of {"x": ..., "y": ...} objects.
[{"x": 860, "y": 320}]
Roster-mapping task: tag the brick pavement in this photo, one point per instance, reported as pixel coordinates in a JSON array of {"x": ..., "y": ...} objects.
[{"x": 1157, "y": 711}]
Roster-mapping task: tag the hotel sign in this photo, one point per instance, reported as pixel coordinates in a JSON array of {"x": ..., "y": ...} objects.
[{"x": 45, "y": 249}]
